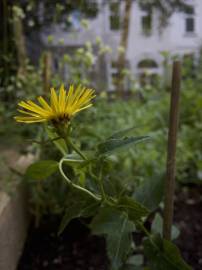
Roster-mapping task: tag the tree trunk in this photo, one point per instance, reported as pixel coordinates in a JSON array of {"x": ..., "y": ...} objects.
[
  {"x": 47, "y": 71},
  {"x": 5, "y": 28},
  {"x": 19, "y": 41},
  {"x": 123, "y": 44}
]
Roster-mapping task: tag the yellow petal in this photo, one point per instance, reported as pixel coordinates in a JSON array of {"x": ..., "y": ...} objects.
[
  {"x": 29, "y": 113},
  {"x": 54, "y": 100},
  {"x": 28, "y": 107},
  {"x": 62, "y": 99},
  {"x": 28, "y": 119},
  {"x": 41, "y": 111},
  {"x": 44, "y": 104}
]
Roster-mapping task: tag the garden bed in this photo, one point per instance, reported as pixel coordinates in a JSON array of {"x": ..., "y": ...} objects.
[
  {"x": 14, "y": 216},
  {"x": 13, "y": 227},
  {"x": 77, "y": 249}
]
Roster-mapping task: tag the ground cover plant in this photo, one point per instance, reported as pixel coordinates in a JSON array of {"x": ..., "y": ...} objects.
[{"x": 115, "y": 210}]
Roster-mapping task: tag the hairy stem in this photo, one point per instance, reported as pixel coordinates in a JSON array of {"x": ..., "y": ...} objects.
[
  {"x": 75, "y": 148},
  {"x": 74, "y": 185}
]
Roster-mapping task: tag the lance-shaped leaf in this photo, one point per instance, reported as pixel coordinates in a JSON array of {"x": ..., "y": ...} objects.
[
  {"x": 79, "y": 204},
  {"x": 163, "y": 255},
  {"x": 113, "y": 145},
  {"x": 121, "y": 133},
  {"x": 117, "y": 229},
  {"x": 134, "y": 209},
  {"x": 150, "y": 193},
  {"x": 42, "y": 169}
]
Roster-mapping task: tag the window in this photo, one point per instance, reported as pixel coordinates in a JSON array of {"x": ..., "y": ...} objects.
[
  {"x": 147, "y": 63},
  {"x": 91, "y": 8},
  {"x": 189, "y": 25},
  {"x": 115, "y": 15},
  {"x": 146, "y": 25},
  {"x": 114, "y": 74},
  {"x": 146, "y": 21},
  {"x": 56, "y": 64},
  {"x": 148, "y": 72},
  {"x": 189, "y": 20}
]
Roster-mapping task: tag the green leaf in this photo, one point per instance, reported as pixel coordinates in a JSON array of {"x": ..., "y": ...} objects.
[
  {"x": 112, "y": 145},
  {"x": 134, "y": 209},
  {"x": 119, "y": 134},
  {"x": 157, "y": 227},
  {"x": 117, "y": 228},
  {"x": 163, "y": 255},
  {"x": 150, "y": 193},
  {"x": 42, "y": 169},
  {"x": 79, "y": 204}
]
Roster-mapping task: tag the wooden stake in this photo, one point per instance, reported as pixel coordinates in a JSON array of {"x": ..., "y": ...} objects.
[{"x": 172, "y": 140}]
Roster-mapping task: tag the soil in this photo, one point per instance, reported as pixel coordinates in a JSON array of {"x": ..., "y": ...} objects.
[
  {"x": 188, "y": 217},
  {"x": 77, "y": 249}
]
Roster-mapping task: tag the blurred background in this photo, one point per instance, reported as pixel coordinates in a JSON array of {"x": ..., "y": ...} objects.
[
  {"x": 116, "y": 46},
  {"x": 124, "y": 49}
]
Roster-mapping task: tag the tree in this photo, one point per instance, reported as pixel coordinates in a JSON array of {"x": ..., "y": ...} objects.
[
  {"x": 165, "y": 8},
  {"x": 22, "y": 18},
  {"x": 123, "y": 44}
]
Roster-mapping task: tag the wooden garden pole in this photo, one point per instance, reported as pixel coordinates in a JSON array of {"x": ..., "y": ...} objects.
[{"x": 172, "y": 140}]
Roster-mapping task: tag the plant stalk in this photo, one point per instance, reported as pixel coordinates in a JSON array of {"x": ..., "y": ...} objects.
[
  {"x": 102, "y": 186},
  {"x": 75, "y": 148},
  {"x": 74, "y": 185}
]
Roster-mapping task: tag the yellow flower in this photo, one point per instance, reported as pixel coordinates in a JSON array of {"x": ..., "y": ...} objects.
[{"x": 62, "y": 108}]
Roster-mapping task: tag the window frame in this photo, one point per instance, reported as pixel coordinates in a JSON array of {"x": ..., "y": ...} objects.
[
  {"x": 190, "y": 26},
  {"x": 146, "y": 18},
  {"x": 114, "y": 15}
]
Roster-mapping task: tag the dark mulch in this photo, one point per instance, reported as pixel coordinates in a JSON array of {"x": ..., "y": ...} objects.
[
  {"x": 77, "y": 249},
  {"x": 188, "y": 216}
]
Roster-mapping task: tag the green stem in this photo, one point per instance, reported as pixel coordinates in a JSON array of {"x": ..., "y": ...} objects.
[
  {"x": 143, "y": 229},
  {"x": 74, "y": 185},
  {"x": 76, "y": 149},
  {"x": 148, "y": 234},
  {"x": 64, "y": 134},
  {"x": 101, "y": 186}
]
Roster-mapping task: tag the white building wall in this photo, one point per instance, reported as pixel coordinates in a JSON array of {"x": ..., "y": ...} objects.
[
  {"x": 173, "y": 38},
  {"x": 182, "y": 42}
]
